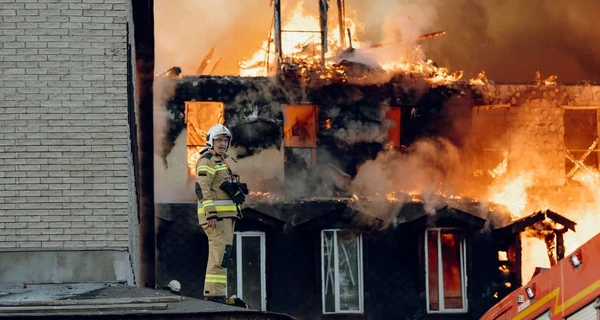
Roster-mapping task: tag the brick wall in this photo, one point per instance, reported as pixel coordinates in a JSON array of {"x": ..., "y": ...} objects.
[
  {"x": 535, "y": 123},
  {"x": 63, "y": 124}
]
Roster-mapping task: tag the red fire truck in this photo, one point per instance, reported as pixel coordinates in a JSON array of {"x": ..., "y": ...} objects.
[{"x": 568, "y": 290}]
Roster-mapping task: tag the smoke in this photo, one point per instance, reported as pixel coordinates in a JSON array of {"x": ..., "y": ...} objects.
[
  {"x": 400, "y": 32},
  {"x": 430, "y": 168},
  {"x": 510, "y": 40},
  {"x": 356, "y": 131},
  {"x": 258, "y": 176},
  {"x": 185, "y": 32}
]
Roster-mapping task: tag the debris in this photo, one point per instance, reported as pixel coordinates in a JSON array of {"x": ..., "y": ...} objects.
[{"x": 205, "y": 61}]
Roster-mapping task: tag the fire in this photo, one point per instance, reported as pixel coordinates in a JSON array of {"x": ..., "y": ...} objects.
[
  {"x": 301, "y": 48},
  {"x": 193, "y": 154},
  {"x": 501, "y": 168},
  {"x": 517, "y": 195},
  {"x": 300, "y": 40},
  {"x": 199, "y": 117},
  {"x": 512, "y": 193},
  {"x": 391, "y": 197}
]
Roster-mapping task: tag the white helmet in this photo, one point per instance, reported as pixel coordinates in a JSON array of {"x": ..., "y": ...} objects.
[
  {"x": 216, "y": 131},
  {"x": 175, "y": 286}
]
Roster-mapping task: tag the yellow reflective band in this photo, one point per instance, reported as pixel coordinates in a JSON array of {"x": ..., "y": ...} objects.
[
  {"x": 205, "y": 168},
  {"x": 220, "y": 167},
  {"x": 207, "y": 202},
  {"x": 220, "y": 209},
  {"x": 216, "y": 278},
  {"x": 215, "y": 281},
  {"x": 226, "y": 208}
]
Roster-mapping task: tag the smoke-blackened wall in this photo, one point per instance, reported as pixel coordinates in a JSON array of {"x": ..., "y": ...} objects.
[{"x": 352, "y": 126}]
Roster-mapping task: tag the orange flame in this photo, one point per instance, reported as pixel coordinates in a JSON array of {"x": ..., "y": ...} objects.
[{"x": 301, "y": 40}]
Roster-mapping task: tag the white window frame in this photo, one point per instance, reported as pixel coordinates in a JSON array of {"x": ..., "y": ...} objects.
[
  {"x": 463, "y": 273},
  {"x": 239, "y": 235},
  {"x": 337, "y": 279}
]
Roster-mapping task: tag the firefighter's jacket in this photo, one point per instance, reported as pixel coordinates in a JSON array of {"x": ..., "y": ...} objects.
[{"x": 213, "y": 202}]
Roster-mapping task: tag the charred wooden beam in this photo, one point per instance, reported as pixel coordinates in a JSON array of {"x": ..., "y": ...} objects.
[
  {"x": 323, "y": 9},
  {"x": 341, "y": 5},
  {"x": 205, "y": 61},
  {"x": 569, "y": 224},
  {"x": 277, "y": 35}
]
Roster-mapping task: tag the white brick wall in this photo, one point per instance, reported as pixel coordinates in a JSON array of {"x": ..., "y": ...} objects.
[{"x": 63, "y": 124}]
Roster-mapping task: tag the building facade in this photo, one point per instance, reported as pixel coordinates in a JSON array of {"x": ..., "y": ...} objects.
[{"x": 323, "y": 254}]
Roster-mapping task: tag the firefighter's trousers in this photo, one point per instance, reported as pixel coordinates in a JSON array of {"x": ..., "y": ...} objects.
[{"x": 220, "y": 247}]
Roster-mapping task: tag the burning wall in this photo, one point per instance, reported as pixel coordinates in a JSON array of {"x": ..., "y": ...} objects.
[{"x": 499, "y": 145}]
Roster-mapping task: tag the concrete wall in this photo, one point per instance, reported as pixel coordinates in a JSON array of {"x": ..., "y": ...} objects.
[
  {"x": 65, "y": 164},
  {"x": 65, "y": 266}
]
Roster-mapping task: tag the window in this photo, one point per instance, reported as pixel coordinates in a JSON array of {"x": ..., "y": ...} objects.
[
  {"x": 394, "y": 114},
  {"x": 491, "y": 138},
  {"x": 581, "y": 140},
  {"x": 544, "y": 316},
  {"x": 246, "y": 273},
  {"x": 341, "y": 271},
  {"x": 299, "y": 139},
  {"x": 199, "y": 117},
  {"x": 445, "y": 271}
]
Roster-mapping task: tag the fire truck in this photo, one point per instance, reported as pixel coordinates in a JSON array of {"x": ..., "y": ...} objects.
[{"x": 569, "y": 290}]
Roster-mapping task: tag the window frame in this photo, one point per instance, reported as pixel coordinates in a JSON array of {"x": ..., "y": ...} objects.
[
  {"x": 239, "y": 235},
  {"x": 360, "y": 277},
  {"x": 576, "y": 152},
  {"x": 463, "y": 272}
]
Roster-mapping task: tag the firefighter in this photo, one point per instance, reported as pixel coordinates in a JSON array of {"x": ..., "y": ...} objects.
[{"x": 219, "y": 198}]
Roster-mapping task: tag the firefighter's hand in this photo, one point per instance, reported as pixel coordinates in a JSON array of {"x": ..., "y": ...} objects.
[
  {"x": 243, "y": 187},
  {"x": 238, "y": 198},
  {"x": 212, "y": 223}
]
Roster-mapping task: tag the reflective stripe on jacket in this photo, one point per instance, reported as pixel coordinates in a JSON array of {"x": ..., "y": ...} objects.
[{"x": 214, "y": 203}]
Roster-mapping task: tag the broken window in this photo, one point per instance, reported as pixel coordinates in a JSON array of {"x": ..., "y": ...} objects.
[
  {"x": 341, "y": 271},
  {"x": 394, "y": 114},
  {"x": 445, "y": 271},
  {"x": 581, "y": 140},
  {"x": 199, "y": 117},
  {"x": 491, "y": 137},
  {"x": 299, "y": 139},
  {"x": 246, "y": 273},
  {"x": 300, "y": 126}
]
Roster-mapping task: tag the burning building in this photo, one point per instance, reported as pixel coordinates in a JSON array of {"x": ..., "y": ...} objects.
[{"x": 380, "y": 189}]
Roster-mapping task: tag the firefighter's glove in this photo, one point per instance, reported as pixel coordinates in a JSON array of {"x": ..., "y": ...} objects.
[
  {"x": 234, "y": 192},
  {"x": 243, "y": 187}
]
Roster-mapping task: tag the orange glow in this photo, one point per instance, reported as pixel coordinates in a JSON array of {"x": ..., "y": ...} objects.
[
  {"x": 502, "y": 256},
  {"x": 199, "y": 117},
  {"x": 501, "y": 168},
  {"x": 328, "y": 124},
  {"x": 391, "y": 197},
  {"x": 512, "y": 193},
  {"x": 300, "y": 125},
  {"x": 580, "y": 204},
  {"x": 305, "y": 46},
  {"x": 394, "y": 114}
]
